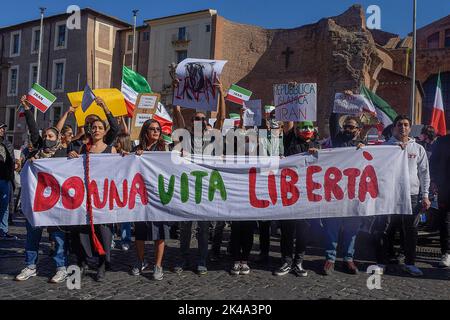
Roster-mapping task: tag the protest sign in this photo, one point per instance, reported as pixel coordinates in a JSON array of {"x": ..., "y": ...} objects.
[
  {"x": 146, "y": 105},
  {"x": 196, "y": 88},
  {"x": 295, "y": 102},
  {"x": 163, "y": 186},
  {"x": 351, "y": 104},
  {"x": 113, "y": 99},
  {"x": 252, "y": 114}
]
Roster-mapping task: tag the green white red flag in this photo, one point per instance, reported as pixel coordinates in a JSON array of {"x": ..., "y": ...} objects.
[
  {"x": 238, "y": 94},
  {"x": 132, "y": 85},
  {"x": 40, "y": 98},
  {"x": 438, "y": 115}
]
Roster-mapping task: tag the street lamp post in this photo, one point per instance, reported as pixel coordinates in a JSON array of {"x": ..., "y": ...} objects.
[
  {"x": 414, "y": 54},
  {"x": 41, "y": 35},
  {"x": 134, "y": 39}
]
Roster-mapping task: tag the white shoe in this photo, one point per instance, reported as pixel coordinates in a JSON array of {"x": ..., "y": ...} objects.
[
  {"x": 413, "y": 270},
  {"x": 125, "y": 247},
  {"x": 60, "y": 276},
  {"x": 445, "y": 261},
  {"x": 26, "y": 274}
]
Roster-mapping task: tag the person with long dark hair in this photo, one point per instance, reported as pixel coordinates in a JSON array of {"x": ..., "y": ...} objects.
[
  {"x": 150, "y": 139},
  {"x": 96, "y": 145}
]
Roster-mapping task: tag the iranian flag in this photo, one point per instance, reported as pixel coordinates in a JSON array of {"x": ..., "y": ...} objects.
[
  {"x": 238, "y": 94},
  {"x": 165, "y": 120},
  {"x": 40, "y": 98},
  {"x": 133, "y": 84},
  {"x": 438, "y": 116},
  {"x": 384, "y": 111}
]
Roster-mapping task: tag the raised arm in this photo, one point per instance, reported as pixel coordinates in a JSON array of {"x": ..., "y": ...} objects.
[
  {"x": 221, "y": 111},
  {"x": 35, "y": 138},
  {"x": 114, "y": 128},
  {"x": 63, "y": 119}
]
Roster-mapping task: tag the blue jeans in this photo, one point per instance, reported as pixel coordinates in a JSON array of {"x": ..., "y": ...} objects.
[
  {"x": 202, "y": 237},
  {"x": 34, "y": 235},
  {"x": 125, "y": 232},
  {"x": 350, "y": 228},
  {"x": 4, "y": 205}
]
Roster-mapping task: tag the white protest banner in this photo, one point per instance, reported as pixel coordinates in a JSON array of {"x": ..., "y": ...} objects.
[
  {"x": 196, "y": 88},
  {"x": 295, "y": 102},
  {"x": 252, "y": 114},
  {"x": 338, "y": 183},
  {"x": 351, "y": 104},
  {"x": 147, "y": 101}
]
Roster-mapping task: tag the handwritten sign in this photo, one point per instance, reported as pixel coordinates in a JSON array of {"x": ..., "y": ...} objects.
[
  {"x": 146, "y": 104},
  {"x": 351, "y": 104},
  {"x": 196, "y": 88},
  {"x": 252, "y": 114},
  {"x": 295, "y": 102}
]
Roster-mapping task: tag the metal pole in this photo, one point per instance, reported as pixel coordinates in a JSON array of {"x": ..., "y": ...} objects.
[
  {"x": 134, "y": 39},
  {"x": 41, "y": 36},
  {"x": 413, "y": 84}
]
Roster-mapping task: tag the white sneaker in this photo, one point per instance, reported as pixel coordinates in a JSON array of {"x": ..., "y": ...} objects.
[
  {"x": 26, "y": 274},
  {"x": 445, "y": 261},
  {"x": 60, "y": 276},
  {"x": 125, "y": 247},
  {"x": 413, "y": 270},
  {"x": 113, "y": 244}
]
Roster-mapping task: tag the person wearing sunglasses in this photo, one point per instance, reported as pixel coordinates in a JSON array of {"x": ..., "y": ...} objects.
[
  {"x": 202, "y": 226},
  {"x": 298, "y": 138}
]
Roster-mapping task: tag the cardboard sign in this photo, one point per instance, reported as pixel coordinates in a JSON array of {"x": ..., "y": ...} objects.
[
  {"x": 196, "y": 88},
  {"x": 113, "y": 99},
  {"x": 295, "y": 102},
  {"x": 146, "y": 105},
  {"x": 252, "y": 114},
  {"x": 351, "y": 104}
]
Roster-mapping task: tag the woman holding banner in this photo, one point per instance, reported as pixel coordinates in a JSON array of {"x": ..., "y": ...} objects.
[
  {"x": 150, "y": 139},
  {"x": 86, "y": 235},
  {"x": 49, "y": 146}
]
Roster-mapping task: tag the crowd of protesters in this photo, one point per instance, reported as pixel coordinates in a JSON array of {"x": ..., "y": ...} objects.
[{"x": 429, "y": 170}]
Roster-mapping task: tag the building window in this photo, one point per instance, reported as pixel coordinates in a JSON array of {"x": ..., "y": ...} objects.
[
  {"x": 35, "y": 40},
  {"x": 130, "y": 42},
  {"x": 433, "y": 41},
  {"x": 55, "y": 114},
  {"x": 146, "y": 36},
  {"x": 447, "y": 38},
  {"x": 11, "y": 117},
  {"x": 60, "y": 36},
  {"x": 182, "y": 33},
  {"x": 58, "y": 75},
  {"x": 33, "y": 74},
  {"x": 15, "y": 44},
  {"x": 13, "y": 81},
  {"x": 208, "y": 28},
  {"x": 181, "y": 55}
]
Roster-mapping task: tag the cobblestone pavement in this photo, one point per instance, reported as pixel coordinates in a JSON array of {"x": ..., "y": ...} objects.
[{"x": 218, "y": 283}]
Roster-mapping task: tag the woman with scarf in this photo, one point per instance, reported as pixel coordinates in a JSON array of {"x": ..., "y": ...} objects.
[
  {"x": 48, "y": 146},
  {"x": 102, "y": 246}
]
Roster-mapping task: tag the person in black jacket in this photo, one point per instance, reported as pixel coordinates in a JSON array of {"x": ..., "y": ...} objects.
[
  {"x": 348, "y": 137},
  {"x": 7, "y": 162},
  {"x": 48, "y": 146},
  {"x": 297, "y": 139},
  {"x": 440, "y": 184}
]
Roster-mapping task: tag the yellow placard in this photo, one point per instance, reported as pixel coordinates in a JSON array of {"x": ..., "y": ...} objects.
[{"x": 113, "y": 98}]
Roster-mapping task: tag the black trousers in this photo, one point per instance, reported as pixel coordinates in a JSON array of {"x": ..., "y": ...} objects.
[
  {"x": 290, "y": 230},
  {"x": 242, "y": 239},
  {"x": 83, "y": 246},
  {"x": 444, "y": 223},
  {"x": 409, "y": 224},
  {"x": 264, "y": 237}
]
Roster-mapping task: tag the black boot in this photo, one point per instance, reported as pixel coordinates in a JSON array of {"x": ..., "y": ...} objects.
[{"x": 100, "y": 277}]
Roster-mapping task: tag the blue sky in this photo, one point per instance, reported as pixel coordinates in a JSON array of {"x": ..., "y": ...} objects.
[{"x": 395, "y": 14}]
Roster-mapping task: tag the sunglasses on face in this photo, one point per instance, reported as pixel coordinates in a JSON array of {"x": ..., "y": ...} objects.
[
  {"x": 154, "y": 129},
  {"x": 199, "y": 118},
  {"x": 350, "y": 127}
]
